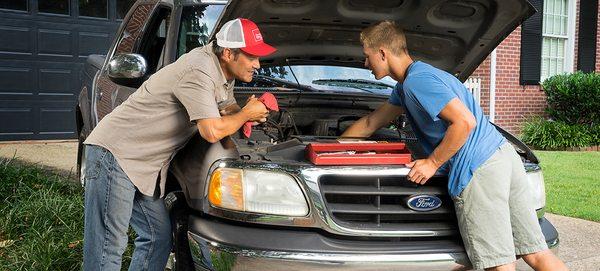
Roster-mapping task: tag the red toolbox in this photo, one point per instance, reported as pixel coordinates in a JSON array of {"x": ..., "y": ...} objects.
[{"x": 354, "y": 153}]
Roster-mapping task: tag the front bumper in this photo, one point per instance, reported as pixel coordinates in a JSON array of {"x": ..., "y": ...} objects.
[{"x": 218, "y": 245}]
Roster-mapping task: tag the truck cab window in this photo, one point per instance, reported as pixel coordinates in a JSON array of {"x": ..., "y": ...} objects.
[
  {"x": 153, "y": 43},
  {"x": 197, "y": 22}
]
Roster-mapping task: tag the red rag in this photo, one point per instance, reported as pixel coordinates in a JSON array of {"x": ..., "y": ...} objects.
[{"x": 270, "y": 102}]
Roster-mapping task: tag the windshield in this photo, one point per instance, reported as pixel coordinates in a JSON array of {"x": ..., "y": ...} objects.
[
  {"x": 198, "y": 21},
  {"x": 332, "y": 78}
]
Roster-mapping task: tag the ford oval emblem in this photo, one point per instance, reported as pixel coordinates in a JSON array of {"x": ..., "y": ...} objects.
[{"x": 424, "y": 203}]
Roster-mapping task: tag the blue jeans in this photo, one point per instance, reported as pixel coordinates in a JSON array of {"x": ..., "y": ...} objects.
[{"x": 112, "y": 203}]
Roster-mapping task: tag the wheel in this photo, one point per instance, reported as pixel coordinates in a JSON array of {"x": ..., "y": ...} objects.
[{"x": 182, "y": 260}]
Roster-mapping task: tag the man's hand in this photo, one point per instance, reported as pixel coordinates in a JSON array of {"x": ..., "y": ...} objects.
[
  {"x": 421, "y": 170},
  {"x": 368, "y": 124},
  {"x": 230, "y": 110},
  {"x": 255, "y": 110}
]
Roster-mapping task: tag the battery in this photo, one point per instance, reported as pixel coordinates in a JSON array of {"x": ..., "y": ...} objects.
[{"x": 355, "y": 153}]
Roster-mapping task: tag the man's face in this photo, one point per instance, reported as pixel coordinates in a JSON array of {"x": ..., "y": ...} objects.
[
  {"x": 374, "y": 62},
  {"x": 242, "y": 65}
]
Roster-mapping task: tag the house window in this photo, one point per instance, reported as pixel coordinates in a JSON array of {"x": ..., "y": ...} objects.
[{"x": 557, "y": 41}]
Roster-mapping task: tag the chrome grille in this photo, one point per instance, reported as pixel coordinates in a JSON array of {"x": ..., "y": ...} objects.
[{"x": 379, "y": 203}]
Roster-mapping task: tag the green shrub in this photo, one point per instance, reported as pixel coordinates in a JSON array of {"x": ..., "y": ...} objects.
[
  {"x": 574, "y": 98},
  {"x": 595, "y": 134},
  {"x": 556, "y": 135}
]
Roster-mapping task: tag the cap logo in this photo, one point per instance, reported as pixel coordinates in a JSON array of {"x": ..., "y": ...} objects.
[{"x": 257, "y": 35}]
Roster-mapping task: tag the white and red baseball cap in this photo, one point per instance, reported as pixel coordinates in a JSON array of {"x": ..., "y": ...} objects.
[{"x": 244, "y": 34}]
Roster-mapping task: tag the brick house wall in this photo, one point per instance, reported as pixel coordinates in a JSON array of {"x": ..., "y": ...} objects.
[{"x": 515, "y": 103}]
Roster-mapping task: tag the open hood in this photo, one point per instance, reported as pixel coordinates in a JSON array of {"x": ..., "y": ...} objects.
[{"x": 454, "y": 35}]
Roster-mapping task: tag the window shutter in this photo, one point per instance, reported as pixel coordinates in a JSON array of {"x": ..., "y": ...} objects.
[
  {"x": 531, "y": 46},
  {"x": 588, "y": 24}
]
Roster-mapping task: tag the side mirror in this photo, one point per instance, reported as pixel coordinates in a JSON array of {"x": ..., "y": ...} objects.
[{"x": 127, "y": 69}]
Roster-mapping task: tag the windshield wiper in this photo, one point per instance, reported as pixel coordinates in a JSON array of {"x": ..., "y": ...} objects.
[
  {"x": 354, "y": 83},
  {"x": 284, "y": 82}
]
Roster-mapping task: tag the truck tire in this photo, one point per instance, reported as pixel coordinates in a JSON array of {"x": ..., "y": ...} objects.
[{"x": 181, "y": 247}]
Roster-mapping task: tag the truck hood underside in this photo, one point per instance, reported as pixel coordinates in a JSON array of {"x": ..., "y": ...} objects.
[{"x": 453, "y": 35}]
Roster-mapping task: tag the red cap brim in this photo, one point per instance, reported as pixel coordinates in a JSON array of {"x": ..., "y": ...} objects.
[{"x": 261, "y": 49}]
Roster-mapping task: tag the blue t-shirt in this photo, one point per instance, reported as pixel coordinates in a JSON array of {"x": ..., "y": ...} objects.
[{"x": 425, "y": 92}]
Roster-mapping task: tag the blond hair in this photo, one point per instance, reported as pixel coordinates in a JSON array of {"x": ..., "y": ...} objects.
[{"x": 385, "y": 34}]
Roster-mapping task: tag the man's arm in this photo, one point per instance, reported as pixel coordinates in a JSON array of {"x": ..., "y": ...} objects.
[
  {"x": 370, "y": 123},
  {"x": 214, "y": 129},
  {"x": 461, "y": 123}
]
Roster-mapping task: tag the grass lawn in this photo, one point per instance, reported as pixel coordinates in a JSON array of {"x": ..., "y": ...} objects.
[
  {"x": 41, "y": 220},
  {"x": 572, "y": 183}
]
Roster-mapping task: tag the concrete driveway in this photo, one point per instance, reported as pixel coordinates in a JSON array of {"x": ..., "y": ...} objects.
[
  {"x": 58, "y": 156},
  {"x": 579, "y": 239}
]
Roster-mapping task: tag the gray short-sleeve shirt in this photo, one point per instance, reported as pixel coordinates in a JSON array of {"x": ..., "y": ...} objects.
[{"x": 146, "y": 130}]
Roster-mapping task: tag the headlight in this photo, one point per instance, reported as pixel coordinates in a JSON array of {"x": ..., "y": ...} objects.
[
  {"x": 257, "y": 191},
  {"x": 536, "y": 179}
]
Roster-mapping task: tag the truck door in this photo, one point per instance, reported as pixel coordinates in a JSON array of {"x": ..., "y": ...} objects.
[{"x": 144, "y": 31}]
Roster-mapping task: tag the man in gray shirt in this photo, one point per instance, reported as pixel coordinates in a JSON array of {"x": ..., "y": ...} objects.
[{"x": 128, "y": 153}]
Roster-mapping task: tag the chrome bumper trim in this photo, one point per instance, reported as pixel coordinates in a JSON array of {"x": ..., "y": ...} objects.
[{"x": 210, "y": 255}]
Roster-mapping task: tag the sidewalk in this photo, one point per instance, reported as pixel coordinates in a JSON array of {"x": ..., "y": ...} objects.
[{"x": 579, "y": 239}]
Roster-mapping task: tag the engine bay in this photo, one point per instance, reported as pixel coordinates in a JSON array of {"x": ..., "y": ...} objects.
[{"x": 286, "y": 133}]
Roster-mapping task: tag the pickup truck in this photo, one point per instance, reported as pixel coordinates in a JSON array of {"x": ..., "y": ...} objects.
[{"x": 289, "y": 214}]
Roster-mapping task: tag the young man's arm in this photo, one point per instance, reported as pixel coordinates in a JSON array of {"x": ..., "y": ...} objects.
[
  {"x": 214, "y": 129},
  {"x": 370, "y": 123},
  {"x": 462, "y": 122}
]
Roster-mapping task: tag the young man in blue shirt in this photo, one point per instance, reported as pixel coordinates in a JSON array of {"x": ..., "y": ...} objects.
[{"x": 486, "y": 178}]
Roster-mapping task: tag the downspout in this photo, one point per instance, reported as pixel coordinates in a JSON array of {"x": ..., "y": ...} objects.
[{"x": 493, "y": 86}]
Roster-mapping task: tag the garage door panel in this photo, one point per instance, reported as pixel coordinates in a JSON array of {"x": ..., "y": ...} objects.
[
  {"x": 16, "y": 122},
  {"x": 37, "y": 119},
  {"x": 17, "y": 80},
  {"x": 56, "y": 82},
  {"x": 15, "y": 39},
  {"x": 93, "y": 42},
  {"x": 59, "y": 81},
  {"x": 41, "y": 58},
  {"x": 55, "y": 42},
  {"x": 39, "y": 80},
  {"x": 57, "y": 121}
]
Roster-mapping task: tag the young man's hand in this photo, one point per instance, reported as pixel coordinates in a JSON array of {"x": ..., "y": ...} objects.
[
  {"x": 370, "y": 123},
  {"x": 421, "y": 170},
  {"x": 255, "y": 110}
]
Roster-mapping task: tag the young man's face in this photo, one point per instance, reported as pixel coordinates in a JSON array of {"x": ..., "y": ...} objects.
[
  {"x": 241, "y": 66},
  {"x": 374, "y": 61}
]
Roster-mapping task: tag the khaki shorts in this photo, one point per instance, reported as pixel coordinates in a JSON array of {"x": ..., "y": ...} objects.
[{"x": 495, "y": 212}]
